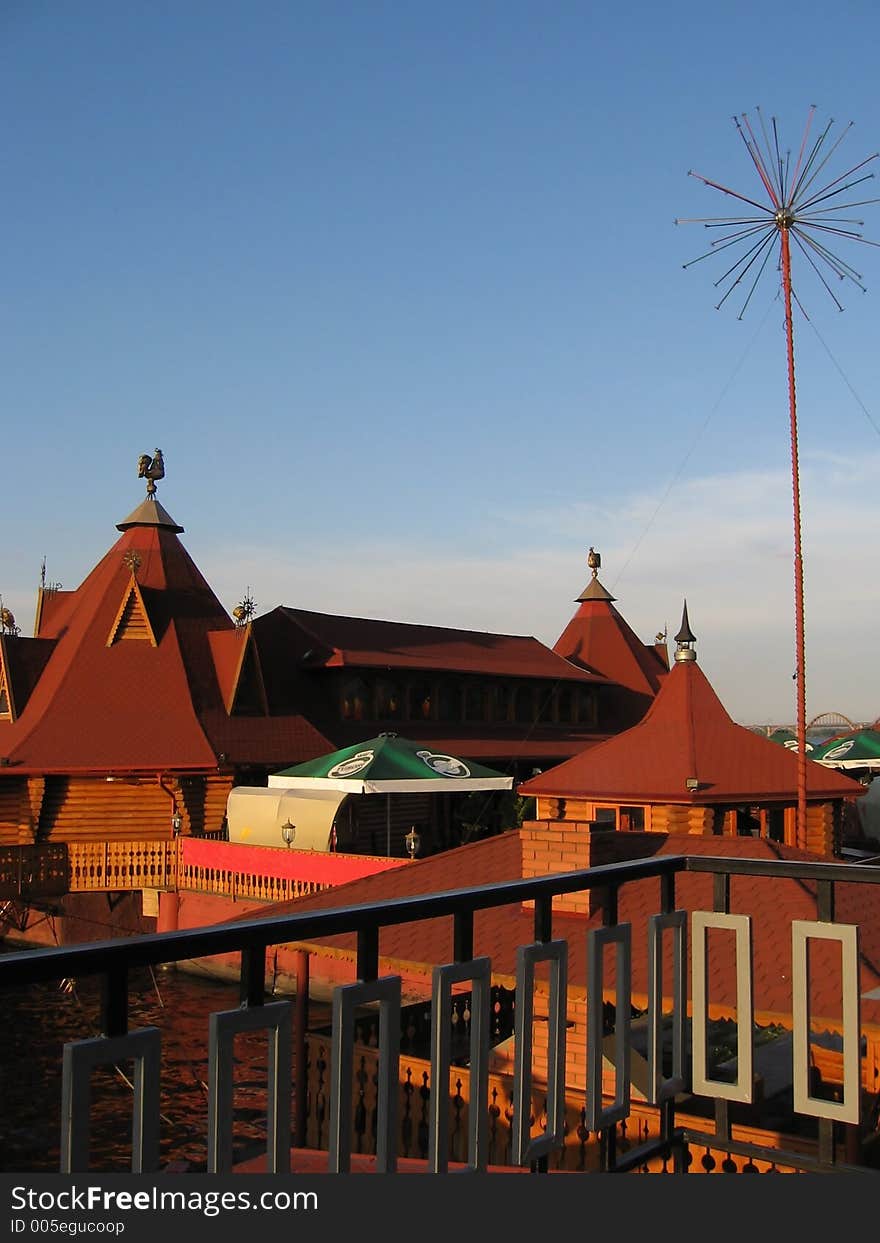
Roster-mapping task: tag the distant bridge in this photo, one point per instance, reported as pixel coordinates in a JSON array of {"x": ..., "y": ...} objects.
[{"x": 837, "y": 721}]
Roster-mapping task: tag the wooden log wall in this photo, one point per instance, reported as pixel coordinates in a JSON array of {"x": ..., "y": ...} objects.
[
  {"x": 15, "y": 818},
  {"x": 203, "y": 802},
  {"x": 78, "y": 809}
]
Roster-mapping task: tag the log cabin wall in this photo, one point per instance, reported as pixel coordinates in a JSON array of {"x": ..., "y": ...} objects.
[
  {"x": 680, "y": 818},
  {"x": 79, "y": 809},
  {"x": 203, "y": 803},
  {"x": 821, "y": 838},
  {"x": 15, "y": 818}
]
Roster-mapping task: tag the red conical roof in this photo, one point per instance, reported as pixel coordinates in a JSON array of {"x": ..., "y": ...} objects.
[
  {"x": 687, "y": 735},
  {"x": 131, "y": 683}
]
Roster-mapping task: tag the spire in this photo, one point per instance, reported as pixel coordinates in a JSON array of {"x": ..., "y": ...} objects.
[
  {"x": 685, "y": 639},
  {"x": 594, "y": 589},
  {"x": 150, "y": 513}
]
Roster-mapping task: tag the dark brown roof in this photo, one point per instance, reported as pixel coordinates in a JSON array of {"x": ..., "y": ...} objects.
[{"x": 362, "y": 642}]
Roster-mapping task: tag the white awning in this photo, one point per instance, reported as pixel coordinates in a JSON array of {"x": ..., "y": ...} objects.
[{"x": 255, "y": 814}]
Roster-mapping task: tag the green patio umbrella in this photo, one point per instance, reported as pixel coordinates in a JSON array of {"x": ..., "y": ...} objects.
[
  {"x": 858, "y": 749},
  {"x": 389, "y": 764}
]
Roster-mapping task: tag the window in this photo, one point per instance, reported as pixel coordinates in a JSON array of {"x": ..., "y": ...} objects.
[
  {"x": 564, "y": 705},
  {"x": 354, "y": 700},
  {"x": 501, "y": 703},
  {"x": 606, "y": 816},
  {"x": 388, "y": 700},
  {"x": 449, "y": 706},
  {"x": 474, "y": 702},
  {"x": 632, "y": 819},
  {"x": 586, "y": 706},
  {"x": 421, "y": 701},
  {"x": 523, "y": 705}
]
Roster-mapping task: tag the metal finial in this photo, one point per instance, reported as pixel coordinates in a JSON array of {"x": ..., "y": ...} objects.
[
  {"x": 151, "y": 469},
  {"x": 594, "y": 561},
  {"x": 245, "y": 609},
  {"x": 7, "y": 620},
  {"x": 132, "y": 559},
  {"x": 685, "y": 639}
]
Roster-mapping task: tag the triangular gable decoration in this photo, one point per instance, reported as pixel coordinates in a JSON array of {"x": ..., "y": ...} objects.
[
  {"x": 249, "y": 693},
  {"x": 132, "y": 621},
  {"x": 7, "y": 712}
]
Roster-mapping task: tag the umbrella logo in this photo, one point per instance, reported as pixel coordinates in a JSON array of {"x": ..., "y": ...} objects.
[
  {"x": 444, "y": 765},
  {"x": 354, "y": 764},
  {"x": 838, "y": 752}
]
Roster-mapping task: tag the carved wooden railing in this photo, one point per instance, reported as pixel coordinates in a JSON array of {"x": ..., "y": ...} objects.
[
  {"x": 95, "y": 866},
  {"x": 234, "y": 884},
  {"x": 580, "y": 1152},
  {"x": 122, "y": 865}
]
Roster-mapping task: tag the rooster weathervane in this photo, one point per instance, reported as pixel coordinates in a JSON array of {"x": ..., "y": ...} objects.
[{"x": 151, "y": 469}]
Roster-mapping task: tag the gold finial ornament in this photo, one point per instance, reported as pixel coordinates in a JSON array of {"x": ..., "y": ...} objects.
[
  {"x": 594, "y": 561},
  {"x": 7, "y": 621},
  {"x": 132, "y": 559},
  {"x": 244, "y": 610},
  {"x": 151, "y": 469}
]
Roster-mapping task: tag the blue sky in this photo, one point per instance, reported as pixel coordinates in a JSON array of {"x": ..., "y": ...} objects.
[{"x": 397, "y": 289}]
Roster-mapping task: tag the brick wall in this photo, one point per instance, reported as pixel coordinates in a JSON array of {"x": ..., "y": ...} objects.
[{"x": 550, "y": 846}]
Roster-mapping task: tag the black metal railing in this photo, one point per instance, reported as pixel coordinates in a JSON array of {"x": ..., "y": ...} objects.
[{"x": 836, "y": 1127}]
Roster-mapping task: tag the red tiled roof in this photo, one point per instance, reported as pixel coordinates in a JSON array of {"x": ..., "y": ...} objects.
[
  {"x": 771, "y": 902},
  {"x": 598, "y": 637},
  {"x": 686, "y": 733},
  {"x": 362, "y": 642},
  {"x": 23, "y": 661},
  {"x": 131, "y": 705}
]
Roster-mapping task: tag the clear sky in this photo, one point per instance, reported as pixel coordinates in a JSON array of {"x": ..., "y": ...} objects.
[{"x": 398, "y": 290}]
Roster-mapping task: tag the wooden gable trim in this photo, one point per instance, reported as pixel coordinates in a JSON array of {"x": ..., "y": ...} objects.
[
  {"x": 132, "y": 621},
  {"x": 248, "y": 677},
  {"x": 7, "y": 703}
]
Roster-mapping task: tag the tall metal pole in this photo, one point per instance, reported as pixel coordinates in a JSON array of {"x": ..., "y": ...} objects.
[
  {"x": 784, "y": 221},
  {"x": 795, "y": 204}
]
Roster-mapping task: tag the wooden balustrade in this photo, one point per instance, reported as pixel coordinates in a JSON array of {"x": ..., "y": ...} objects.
[
  {"x": 234, "y": 884},
  {"x": 157, "y": 865},
  {"x": 122, "y": 865},
  {"x": 581, "y": 1151}
]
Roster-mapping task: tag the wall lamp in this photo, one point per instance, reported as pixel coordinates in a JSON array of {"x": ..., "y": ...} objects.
[
  {"x": 413, "y": 842},
  {"x": 288, "y": 832},
  {"x": 692, "y": 783},
  {"x": 176, "y": 823}
]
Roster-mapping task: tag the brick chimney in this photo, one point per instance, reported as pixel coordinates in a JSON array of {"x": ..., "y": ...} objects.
[{"x": 550, "y": 846}]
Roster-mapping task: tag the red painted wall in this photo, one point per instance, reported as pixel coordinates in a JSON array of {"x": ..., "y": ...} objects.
[{"x": 327, "y": 868}]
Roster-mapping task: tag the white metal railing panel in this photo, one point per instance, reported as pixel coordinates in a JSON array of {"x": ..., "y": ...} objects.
[
  {"x": 346, "y": 998},
  {"x": 478, "y": 973},
  {"x": 660, "y": 1087},
  {"x": 618, "y": 935},
  {"x": 525, "y": 1148},
  {"x": 742, "y": 1087},
  {"x": 803, "y": 931},
  {"x": 223, "y": 1026},
  {"x": 79, "y": 1059}
]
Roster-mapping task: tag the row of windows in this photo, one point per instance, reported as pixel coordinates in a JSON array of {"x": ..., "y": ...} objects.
[{"x": 454, "y": 699}]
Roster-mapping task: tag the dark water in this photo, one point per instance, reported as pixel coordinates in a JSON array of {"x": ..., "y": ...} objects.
[{"x": 35, "y": 1023}]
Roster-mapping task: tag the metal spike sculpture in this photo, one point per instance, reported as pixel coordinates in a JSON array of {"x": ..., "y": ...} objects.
[{"x": 799, "y": 205}]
